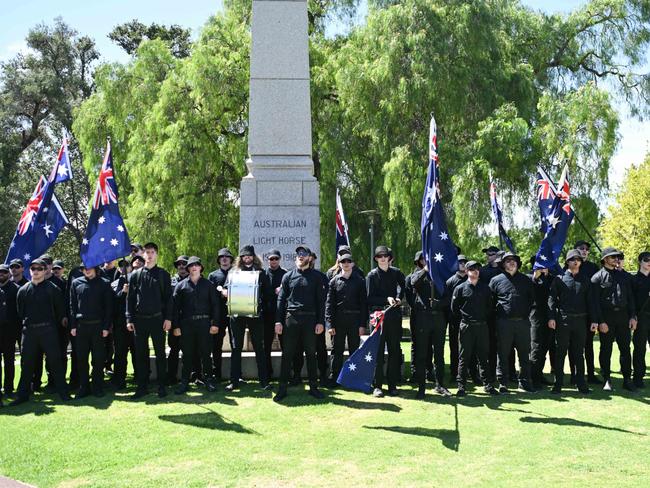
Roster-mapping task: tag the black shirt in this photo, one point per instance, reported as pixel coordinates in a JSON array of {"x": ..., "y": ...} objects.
[
  {"x": 488, "y": 272},
  {"x": 513, "y": 295},
  {"x": 346, "y": 295},
  {"x": 541, "y": 289},
  {"x": 275, "y": 278},
  {"x": 587, "y": 269},
  {"x": 119, "y": 301},
  {"x": 91, "y": 300},
  {"x": 10, "y": 290},
  {"x": 192, "y": 299},
  {"x": 58, "y": 282},
  {"x": 641, "y": 290},
  {"x": 150, "y": 293},
  {"x": 473, "y": 303},
  {"x": 422, "y": 295},
  {"x": 383, "y": 284},
  {"x": 611, "y": 290},
  {"x": 569, "y": 295},
  {"x": 301, "y": 291},
  {"x": 22, "y": 282},
  {"x": 218, "y": 278},
  {"x": 37, "y": 304},
  {"x": 110, "y": 274}
]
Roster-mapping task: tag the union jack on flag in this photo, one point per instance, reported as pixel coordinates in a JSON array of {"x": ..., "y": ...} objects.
[
  {"x": 106, "y": 190},
  {"x": 31, "y": 210},
  {"x": 342, "y": 238},
  {"x": 545, "y": 195}
]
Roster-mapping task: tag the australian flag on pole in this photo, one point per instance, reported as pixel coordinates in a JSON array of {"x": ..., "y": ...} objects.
[
  {"x": 342, "y": 238},
  {"x": 106, "y": 238},
  {"x": 439, "y": 250},
  {"x": 545, "y": 195},
  {"x": 557, "y": 227},
  {"x": 63, "y": 165},
  {"x": 498, "y": 217},
  {"x": 358, "y": 370}
]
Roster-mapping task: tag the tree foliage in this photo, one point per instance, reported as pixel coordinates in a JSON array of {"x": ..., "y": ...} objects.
[{"x": 131, "y": 34}]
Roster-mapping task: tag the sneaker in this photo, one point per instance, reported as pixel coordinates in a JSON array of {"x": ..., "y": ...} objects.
[
  {"x": 503, "y": 389},
  {"x": 556, "y": 390},
  {"x": 162, "y": 392},
  {"x": 393, "y": 392},
  {"x": 211, "y": 385},
  {"x": 608, "y": 386},
  {"x": 592, "y": 379},
  {"x": 525, "y": 386},
  {"x": 441, "y": 390},
  {"x": 267, "y": 387},
  {"x": 83, "y": 393},
  {"x": 281, "y": 394},
  {"x": 639, "y": 384},
  {"x": 378, "y": 393},
  {"x": 461, "y": 391},
  {"x": 420, "y": 394},
  {"x": 584, "y": 389},
  {"x": 182, "y": 389},
  {"x": 232, "y": 387},
  {"x": 316, "y": 393},
  {"x": 628, "y": 385}
]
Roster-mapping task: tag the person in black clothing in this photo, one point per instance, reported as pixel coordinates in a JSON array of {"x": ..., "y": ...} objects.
[
  {"x": 616, "y": 316},
  {"x": 16, "y": 268},
  {"x": 641, "y": 290},
  {"x": 41, "y": 310},
  {"x": 218, "y": 279},
  {"x": 174, "y": 341},
  {"x": 196, "y": 313},
  {"x": 124, "y": 338},
  {"x": 274, "y": 273},
  {"x": 9, "y": 330},
  {"x": 336, "y": 269},
  {"x": 568, "y": 305},
  {"x": 300, "y": 317},
  {"x": 493, "y": 257},
  {"x": 321, "y": 342},
  {"x": 91, "y": 313},
  {"x": 542, "y": 338},
  {"x": 409, "y": 294},
  {"x": 109, "y": 271},
  {"x": 471, "y": 301},
  {"x": 454, "y": 320},
  {"x": 149, "y": 308},
  {"x": 249, "y": 262},
  {"x": 386, "y": 285},
  {"x": 346, "y": 313},
  {"x": 513, "y": 298},
  {"x": 75, "y": 272},
  {"x": 429, "y": 306}
]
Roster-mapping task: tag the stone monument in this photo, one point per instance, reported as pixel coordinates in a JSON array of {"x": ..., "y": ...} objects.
[{"x": 279, "y": 196}]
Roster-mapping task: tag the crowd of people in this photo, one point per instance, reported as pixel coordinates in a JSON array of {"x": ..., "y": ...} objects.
[{"x": 488, "y": 314}]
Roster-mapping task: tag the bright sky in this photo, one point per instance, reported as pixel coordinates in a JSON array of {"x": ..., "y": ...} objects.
[{"x": 97, "y": 19}]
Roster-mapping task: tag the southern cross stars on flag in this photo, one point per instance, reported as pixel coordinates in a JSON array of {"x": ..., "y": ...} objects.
[
  {"x": 545, "y": 196},
  {"x": 439, "y": 250},
  {"x": 342, "y": 238},
  {"x": 498, "y": 216},
  {"x": 106, "y": 237},
  {"x": 63, "y": 167}
]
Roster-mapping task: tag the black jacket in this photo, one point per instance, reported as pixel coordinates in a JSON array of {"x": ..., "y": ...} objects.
[
  {"x": 218, "y": 278},
  {"x": 421, "y": 295},
  {"x": 191, "y": 300},
  {"x": 473, "y": 303},
  {"x": 275, "y": 279},
  {"x": 570, "y": 295},
  {"x": 641, "y": 290},
  {"x": 383, "y": 284},
  {"x": 91, "y": 300},
  {"x": 150, "y": 293},
  {"x": 611, "y": 291},
  {"x": 513, "y": 295},
  {"x": 346, "y": 295},
  {"x": 302, "y": 292},
  {"x": 541, "y": 289},
  {"x": 10, "y": 290},
  {"x": 40, "y": 303}
]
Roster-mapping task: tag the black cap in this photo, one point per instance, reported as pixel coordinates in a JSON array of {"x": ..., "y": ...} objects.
[
  {"x": 304, "y": 248},
  {"x": 610, "y": 251},
  {"x": 194, "y": 260},
  {"x": 581, "y": 243},
  {"x": 490, "y": 249},
  {"x": 344, "y": 249},
  {"x": 224, "y": 252},
  {"x": 643, "y": 255},
  {"x": 345, "y": 256},
  {"x": 417, "y": 257},
  {"x": 181, "y": 259},
  {"x": 472, "y": 265},
  {"x": 39, "y": 262},
  {"x": 15, "y": 262},
  {"x": 461, "y": 257},
  {"x": 573, "y": 254},
  {"x": 274, "y": 252},
  {"x": 58, "y": 263},
  {"x": 511, "y": 255},
  {"x": 137, "y": 257},
  {"x": 383, "y": 250},
  {"x": 247, "y": 251},
  {"x": 4, "y": 267},
  {"x": 47, "y": 258},
  {"x": 122, "y": 263}
]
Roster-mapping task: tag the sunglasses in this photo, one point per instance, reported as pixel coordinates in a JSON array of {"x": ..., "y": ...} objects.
[
  {"x": 303, "y": 254},
  {"x": 346, "y": 261},
  {"x": 646, "y": 260},
  {"x": 15, "y": 266},
  {"x": 274, "y": 258},
  {"x": 4, "y": 271},
  {"x": 582, "y": 248},
  {"x": 37, "y": 268},
  {"x": 381, "y": 256},
  {"x": 573, "y": 260}
]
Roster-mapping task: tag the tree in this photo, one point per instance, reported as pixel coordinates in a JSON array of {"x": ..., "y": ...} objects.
[
  {"x": 627, "y": 227},
  {"x": 130, "y": 35}
]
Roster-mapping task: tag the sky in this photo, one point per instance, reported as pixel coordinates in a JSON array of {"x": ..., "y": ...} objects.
[{"x": 97, "y": 19}]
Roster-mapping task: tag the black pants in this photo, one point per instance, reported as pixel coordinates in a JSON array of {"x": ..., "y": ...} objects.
[
  {"x": 321, "y": 356},
  {"x": 570, "y": 335},
  {"x": 541, "y": 343},
  {"x": 619, "y": 331},
  {"x": 269, "y": 335},
  {"x": 238, "y": 326},
  {"x": 74, "y": 368},
  {"x": 299, "y": 334},
  {"x": 390, "y": 339},
  {"x": 109, "y": 348},
  {"x": 589, "y": 351},
  {"x": 429, "y": 331},
  {"x": 346, "y": 326},
  {"x": 174, "y": 343},
  {"x": 124, "y": 342},
  {"x": 90, "y": 341},
  {"x": 217, "y": 350},
  {"x": 640, "y": 341},
  {"x": 196, "y": 341},
  {"x": 8, "y": 341},
  {"x": 146, "y": 328},
  {"x": 428, "y": 360},
  {"x": 35, "y": 340},
  {"x": 474, "y": 341},
  {"x": 454, "y": 324},
  {"x": 493, "y": 350},
  {"x": 513, "y": 332}
]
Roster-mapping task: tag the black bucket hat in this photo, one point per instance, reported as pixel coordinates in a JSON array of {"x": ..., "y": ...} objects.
[
  {"x": 192, "y": 261},
  {"x": 181, "y": 259},
  {"x": 610, "y": 251},
  {"x": 247, "y": 251}
]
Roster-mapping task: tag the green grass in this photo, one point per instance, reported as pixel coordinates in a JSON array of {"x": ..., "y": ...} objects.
[{"x": 349, "y": 439}]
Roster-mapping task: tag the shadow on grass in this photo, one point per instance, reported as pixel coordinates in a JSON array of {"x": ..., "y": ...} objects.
[
  {"x": 207, "y": 420},
  {"x": 573, "y": 423},
  {"x": 30, "y": 408},
  {"x": 300, "y": 398}
]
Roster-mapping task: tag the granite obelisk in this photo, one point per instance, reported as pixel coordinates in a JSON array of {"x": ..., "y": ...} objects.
[{"x": 279, "y": 196}]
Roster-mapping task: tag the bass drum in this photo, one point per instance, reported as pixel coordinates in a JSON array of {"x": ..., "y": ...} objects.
[{"x": 243, "y": 293}]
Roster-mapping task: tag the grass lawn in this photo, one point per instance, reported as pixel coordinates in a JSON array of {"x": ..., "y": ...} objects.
[{"x": 349, "y": 439}]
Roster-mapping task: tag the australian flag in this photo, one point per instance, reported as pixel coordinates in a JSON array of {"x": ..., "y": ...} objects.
[
  {"x": 439, "y": 250},
  {"x": 63, "y": 166},
  {"x": 545, "y": 195},
  {"x": 557, "y": 227},
  {"x": 358, "y": 370},
  {"x": 342, "y": 238},
  {"x": 106, "y": 238},
  {"x": 498, "y": 216}
]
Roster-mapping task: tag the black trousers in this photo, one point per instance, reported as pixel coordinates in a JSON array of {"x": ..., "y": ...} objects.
[
  {"x": 429, "y": 331},
  {"x": 346, "y": 326},
  {"x": 493, "y": 350},
  {"x": 474, "y": 341},
  {"x": 269, "y": 335},
  {"x": 321, "y": 355},
  {"x": 196, "y": 341},
  {"x": 124, "y": 343},
  {"x": 109, "y": 347},
  {"x": 63, "y": 334},
  {"x": 90, "y": 341},
  {"x": 589, "y": 351},
  {"x": 542, "y": 341},
  {"x": 299, "y": 334},
  {"x": 640, "y": 341},
  {"x": 570, "y": 336},
  {"x": 454, "y": 324},
  {"x": 238, "y": 326},
  {"x": 619, "y": 332},
  {"x": 174, "y": 343},
  {"x": 35, "y": 340},
  {"x": 513, "y": 332},
  {"x": 428, "y": 361},
  {"x": 390, "y": 339},
  {"x": 146, "y": 328},
  {"x": 8, "y": 339},
  {"x": 217, "y": 350},
  {"x": 74, "y": 368}
]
